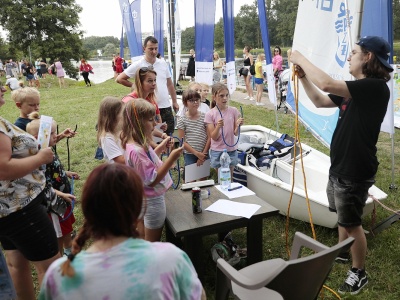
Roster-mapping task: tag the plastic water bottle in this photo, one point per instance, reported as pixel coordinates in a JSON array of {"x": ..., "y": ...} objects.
[{"x": 225, "y": 171}]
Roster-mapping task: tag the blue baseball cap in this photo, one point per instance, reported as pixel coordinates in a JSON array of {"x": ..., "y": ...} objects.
[{"x": 379, "y": 47}]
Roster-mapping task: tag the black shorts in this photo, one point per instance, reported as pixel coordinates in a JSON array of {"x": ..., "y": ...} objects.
[{"x": 30, "y": 231}]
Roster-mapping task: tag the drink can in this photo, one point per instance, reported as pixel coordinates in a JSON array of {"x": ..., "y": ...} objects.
[{"x": 196, "y": 200}]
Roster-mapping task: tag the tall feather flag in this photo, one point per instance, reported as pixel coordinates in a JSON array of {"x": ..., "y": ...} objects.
[
  {"x": 136, "y": 17},
  {"x": 158, "y": 24},
  {"x": 134, "y": 48},
  {"x": 121, "y": 41},
  {"x": 204, "y": 15},
  {"x": 178, "y": 34},
  {"x": 267, "y": 48},
  {"x": 229, "y": 36}
]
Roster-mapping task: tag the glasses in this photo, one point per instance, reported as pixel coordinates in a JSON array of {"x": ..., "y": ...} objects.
[
  {"x": 276, "y": 50},
  {"x": 148, "y": 68},
  {"x": 193, "y": 100}
]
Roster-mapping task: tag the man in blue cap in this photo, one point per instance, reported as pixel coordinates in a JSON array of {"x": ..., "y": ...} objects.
[{"x": 362, "y": 104}]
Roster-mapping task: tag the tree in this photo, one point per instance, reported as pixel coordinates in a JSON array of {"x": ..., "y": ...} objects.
[
  {"x": 110, "y": 49},
  {"x": 247, "y": 27},
  {"x": 187, "y": 39},
  {"x": 47, "y": 27}
]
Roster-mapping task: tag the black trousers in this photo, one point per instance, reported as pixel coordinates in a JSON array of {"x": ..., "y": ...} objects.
[{"x": 86, "y": 77}]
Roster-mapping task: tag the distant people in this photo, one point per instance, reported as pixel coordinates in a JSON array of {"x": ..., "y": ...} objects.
[
  {"x": 29, "y": 73},
  {"x": 11, "y": 68},
  {"x": 217, "y": 65},
  {"x": 137, "y": 269},
  {"x": 277, "y": 62},
  {"x": 247, "y": 62},
  {"x": 12, "y": 83},
  {"x": 259, "y": 78},
  {"x": 224, "y": 75},
  {"x": 59, "y": 72},
  {"x": 193, "y": 130},
  {"x": 362, "y": 107},
  {"x": 43, "y": 68},
  {"x": 2, "y": 72},
  {"x": 124, "y": 63},
  {"x": 85, "y": 68},
  {"x": 137, "y": 129},
  {"x": 58, "y": 178},
  {"x": 113, "y": 64},
  {"x": 165, "y": 85},
  {"x": 26, "y": 233},
  {"x": 37, "y": 67},
  {"x": 191, "y": 67},
  {"x": 109, "y": 125},
  {"x": 118, "y": 65}
]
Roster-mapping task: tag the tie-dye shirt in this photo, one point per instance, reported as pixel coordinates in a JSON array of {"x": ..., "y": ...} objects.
[{"x": 133, "y": 269}]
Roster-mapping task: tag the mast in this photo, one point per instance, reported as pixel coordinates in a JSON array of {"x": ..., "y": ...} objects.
[{"x": 171, "y": 17}]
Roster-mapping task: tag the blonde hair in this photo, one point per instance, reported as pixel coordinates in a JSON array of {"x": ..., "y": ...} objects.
[
  {"x": 33, "y": 126},
  {"x": 192, "y": 84},
  {"x": 109, "y": 116},
  {"x": 21, "y": 95},
  {"x": 259, "y": 57},
  {"x": 140, "y": 76},
  {"x": 135, "y": 113}
]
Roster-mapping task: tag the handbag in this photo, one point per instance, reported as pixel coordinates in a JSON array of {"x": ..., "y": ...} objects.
[
  {"x": 245, "y": 71},
  {"x": 54, "y": 203}
]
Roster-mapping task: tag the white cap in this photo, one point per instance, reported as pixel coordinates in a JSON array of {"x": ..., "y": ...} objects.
[{"x": 8, "y": 76}]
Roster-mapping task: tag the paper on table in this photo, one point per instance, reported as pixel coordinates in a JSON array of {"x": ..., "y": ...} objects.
[
  {"x": 243, "y": 191},
  {"x": 193, "y": 172},
  {"x": 232, "y": 208}
]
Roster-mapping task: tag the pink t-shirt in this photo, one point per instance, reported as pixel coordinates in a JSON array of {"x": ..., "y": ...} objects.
[
  {"x": 230, "y": 115},
  {"x": 146, "y": 165},
  {"x": 277, "y": 62}
]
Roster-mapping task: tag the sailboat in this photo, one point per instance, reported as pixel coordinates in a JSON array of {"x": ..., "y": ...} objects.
[{"x": 326, "y": 39}]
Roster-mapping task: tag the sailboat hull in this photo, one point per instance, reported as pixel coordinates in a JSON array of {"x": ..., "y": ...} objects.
[{"x": 274, "y": 184}]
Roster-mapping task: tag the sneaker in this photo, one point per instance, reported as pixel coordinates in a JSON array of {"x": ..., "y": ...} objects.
[
  {"x": 356, "y": 280},
  {"x": 247, "y": 98},
  {"x": 251, "y": 99},
  {"x": 343, "y": 258},
  {"x": 260, "y": 103}
]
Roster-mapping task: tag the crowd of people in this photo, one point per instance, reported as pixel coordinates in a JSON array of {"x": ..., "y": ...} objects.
[{"x": 123, "y": 199}]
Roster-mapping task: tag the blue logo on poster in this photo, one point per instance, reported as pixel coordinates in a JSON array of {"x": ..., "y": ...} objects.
[{"x": 342, "y": 43}]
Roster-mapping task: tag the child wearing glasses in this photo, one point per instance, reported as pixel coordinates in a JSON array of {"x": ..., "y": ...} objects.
[
  {"x": 203, "y": 107},
  {"x": 223, "y": 124},
  {"x": 137, "y": 128},
  {"x": 192, "y": 128}
]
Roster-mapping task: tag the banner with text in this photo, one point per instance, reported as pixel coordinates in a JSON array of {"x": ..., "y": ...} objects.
[
  {"x": 136, "y": 17},
  {"x": 204, "y": 13},
  {"x": 134, "y": 48},
  {"x": 229, "y": 39},
  {"x": 158, "y": 24}
]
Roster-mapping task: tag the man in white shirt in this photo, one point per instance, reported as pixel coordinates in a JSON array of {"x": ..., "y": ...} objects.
[
  {"x": 12, "y": 83},
  {"x": 165, "y": 85}
]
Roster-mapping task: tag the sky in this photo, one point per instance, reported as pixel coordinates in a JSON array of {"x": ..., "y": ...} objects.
[{"x": 103, "y": 17}]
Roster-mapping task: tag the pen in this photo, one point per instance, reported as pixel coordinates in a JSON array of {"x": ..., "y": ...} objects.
[{"x": 235, "y": 188}]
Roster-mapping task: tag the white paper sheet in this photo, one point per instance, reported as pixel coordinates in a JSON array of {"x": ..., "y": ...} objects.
[
  {"x": 193, "y": 172},
  {"x": 241, "y": 192},
  {"x": 44, "y": 131},
  {"x": 232, "y": 208}
]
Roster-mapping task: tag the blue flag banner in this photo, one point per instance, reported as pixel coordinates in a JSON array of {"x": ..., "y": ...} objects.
[
  {"x": 158, "y": 24},
  {"x": 204, "y": 14},
  {"x": 229, "y": 37},
  {"x": 267, "y": 49},
  {"x": 136, "y": 17},
  {"x": 121, "y": 42},
  {"x": 134, "y": 48}
]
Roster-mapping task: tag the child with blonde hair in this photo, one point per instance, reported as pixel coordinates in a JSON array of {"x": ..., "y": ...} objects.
[
  {"x": 58, "y": 178},
  {"x": 137, "y": 127},
  {"x": 223, "y": 123}
]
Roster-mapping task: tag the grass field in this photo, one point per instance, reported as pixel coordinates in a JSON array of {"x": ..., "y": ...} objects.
[{"x": 78, "y": 105}]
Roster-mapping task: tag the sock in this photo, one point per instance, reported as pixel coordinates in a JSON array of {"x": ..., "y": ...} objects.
[{"x": 67, "y": 251}]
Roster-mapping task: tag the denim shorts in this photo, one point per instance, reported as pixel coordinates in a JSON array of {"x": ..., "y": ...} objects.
[
  {"x": 215, "y": 155},
  {"x": 190, "y": 159},
  {"x": 258, "y": 80},
  {"x": 347, "y": 199}
]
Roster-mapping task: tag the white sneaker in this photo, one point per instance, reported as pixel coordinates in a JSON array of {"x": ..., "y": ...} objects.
[
  {"x": 251, "y": 99},
  {"x": 247, "y": 97},
  {"x": 260, "y": 103}
]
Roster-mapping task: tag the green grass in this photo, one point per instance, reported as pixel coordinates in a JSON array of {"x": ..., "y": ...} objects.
[{"x": 78, "y": 104}]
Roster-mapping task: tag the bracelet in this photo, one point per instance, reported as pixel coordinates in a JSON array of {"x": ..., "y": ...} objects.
[{"x": 303, "y": 76}]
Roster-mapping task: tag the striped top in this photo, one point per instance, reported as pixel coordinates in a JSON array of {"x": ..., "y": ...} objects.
[{"x": 195, "y": 131}]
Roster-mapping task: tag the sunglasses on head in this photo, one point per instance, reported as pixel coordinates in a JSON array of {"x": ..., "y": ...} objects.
[
  {"x": 276, "y": 50},
  {"x": 193, "y": 100},
  {"x": 145, "y": 69}
]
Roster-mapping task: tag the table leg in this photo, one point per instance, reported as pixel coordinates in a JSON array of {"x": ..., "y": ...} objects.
[
  {"x": 193, "y": 246},
  {"x": 171, "y": 238},
  {"x": 254, "y": 242}
]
